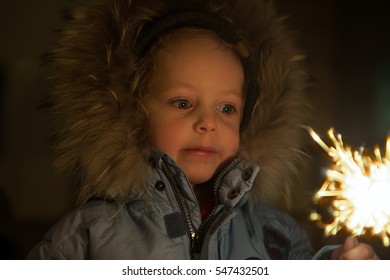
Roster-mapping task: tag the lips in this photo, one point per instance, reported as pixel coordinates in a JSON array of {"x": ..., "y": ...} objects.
[{"x": 201, "y": 151}]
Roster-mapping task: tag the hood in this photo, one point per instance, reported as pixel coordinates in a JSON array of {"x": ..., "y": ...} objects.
[{"x": 96, "y": 117}]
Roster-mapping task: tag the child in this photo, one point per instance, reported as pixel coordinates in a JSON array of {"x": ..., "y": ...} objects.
[{"x": 166, "y": 109}]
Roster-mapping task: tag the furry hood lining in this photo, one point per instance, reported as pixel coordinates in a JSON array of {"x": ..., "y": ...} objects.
[{"x": 95, "y": 116}]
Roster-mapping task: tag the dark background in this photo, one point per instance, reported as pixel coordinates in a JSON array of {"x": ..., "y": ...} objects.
[{"x": 347, "y": 44}]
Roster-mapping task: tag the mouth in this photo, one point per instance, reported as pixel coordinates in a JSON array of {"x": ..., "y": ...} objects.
[{"x": 200, "y": 151}]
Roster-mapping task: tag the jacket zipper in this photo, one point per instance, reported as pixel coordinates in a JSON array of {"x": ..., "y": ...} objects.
[
  {"x": 191, "y": 232},
  {"x": 195, "y": 236},
  {"x": 216, "y": 186}
]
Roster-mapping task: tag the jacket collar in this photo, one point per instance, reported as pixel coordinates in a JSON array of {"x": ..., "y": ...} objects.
[{"x": 231, "y": 184}]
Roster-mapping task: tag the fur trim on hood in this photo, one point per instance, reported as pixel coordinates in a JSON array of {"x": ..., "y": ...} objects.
[{"x": 96, "y": 119}]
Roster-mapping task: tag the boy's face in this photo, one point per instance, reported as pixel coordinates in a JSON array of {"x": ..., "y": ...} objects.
[{"x": 196, "y": 105}]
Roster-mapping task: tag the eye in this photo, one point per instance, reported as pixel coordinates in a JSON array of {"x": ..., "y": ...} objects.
[
  {"x": 182, "y": 103},
  {"x": 226, "y": 109}
]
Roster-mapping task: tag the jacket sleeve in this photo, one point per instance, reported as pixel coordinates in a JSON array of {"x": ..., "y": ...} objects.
[
  {"x": 301, "y": 247},
  {"x": 68, "y": 239},
  {"x": 74, "y": 248},
  {"x": 299, "y": 242},
  {"x": 325, "y": 252}
]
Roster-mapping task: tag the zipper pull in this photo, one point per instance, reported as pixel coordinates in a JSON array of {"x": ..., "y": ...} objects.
[{"x": 195, "y": 246}]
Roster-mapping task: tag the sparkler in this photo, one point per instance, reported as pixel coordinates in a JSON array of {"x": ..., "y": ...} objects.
[{"x": 358, "y": 187}]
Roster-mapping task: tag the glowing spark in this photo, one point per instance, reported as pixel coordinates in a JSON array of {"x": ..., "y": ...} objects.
[{"x": 358, "y": 187}]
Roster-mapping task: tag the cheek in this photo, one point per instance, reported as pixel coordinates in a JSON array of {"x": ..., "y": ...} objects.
[
  {"x": 236, "y": 143},
  {"x": 234, "y": 130},
  {"x": 165, "y": 136},
  {"x": 232, "y": 141}
]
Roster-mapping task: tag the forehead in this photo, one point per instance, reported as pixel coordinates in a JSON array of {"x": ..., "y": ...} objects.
[
  {"x": 190, "y": 44},
  {"x": 198, "y": 58},
  {"x": 177, "y": 37}
]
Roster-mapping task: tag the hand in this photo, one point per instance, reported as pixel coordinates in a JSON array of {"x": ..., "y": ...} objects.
[{"x": 352, "y": 249}]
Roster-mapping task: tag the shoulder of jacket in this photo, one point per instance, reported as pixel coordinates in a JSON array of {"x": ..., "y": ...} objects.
[{"x": 80, "y": 220}]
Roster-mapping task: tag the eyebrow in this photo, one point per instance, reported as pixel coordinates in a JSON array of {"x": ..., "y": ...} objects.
[
  {"x": 239, "y": 93},
  {"x": 180, "y": 86},
  {"x": 186, "y": 86}
]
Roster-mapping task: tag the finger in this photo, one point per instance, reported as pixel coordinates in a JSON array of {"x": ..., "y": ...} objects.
[
  {"x": 350, "y": 243},
  {"x": 361, "y": 252}
]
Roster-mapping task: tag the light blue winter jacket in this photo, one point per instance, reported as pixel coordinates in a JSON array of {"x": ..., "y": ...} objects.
[{"x": 165, "y": 223}]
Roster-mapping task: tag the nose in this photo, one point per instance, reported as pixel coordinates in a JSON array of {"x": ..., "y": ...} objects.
[{"x": 205, "y": 122}]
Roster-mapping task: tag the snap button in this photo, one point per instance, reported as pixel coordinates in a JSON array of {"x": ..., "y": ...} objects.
[
  {"x": 160, "y": 186},
  {"x": 246, "y": 174},
  {"x": 233, "y": 193}
]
